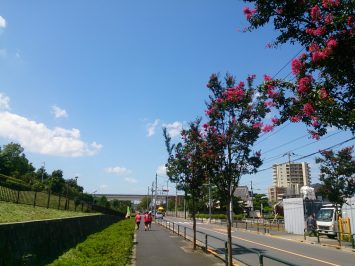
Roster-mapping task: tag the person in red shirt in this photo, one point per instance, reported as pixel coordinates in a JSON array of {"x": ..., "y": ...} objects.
[
  {"x": 138, "y": 219},
  {"x": 150, "y": 218},
  {"x": 146, "y": 221}
]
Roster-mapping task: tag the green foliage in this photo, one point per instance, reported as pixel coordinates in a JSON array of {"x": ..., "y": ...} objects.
[
  {"x": 112, "y": 246},
  {"x": 12, "y": 212},
  {"x": 337, "y": 175}
]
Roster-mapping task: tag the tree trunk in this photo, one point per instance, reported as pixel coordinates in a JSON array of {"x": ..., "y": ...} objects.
[
  {"x": 229, "y": 231},
  {"x": 194, "y": 222}
]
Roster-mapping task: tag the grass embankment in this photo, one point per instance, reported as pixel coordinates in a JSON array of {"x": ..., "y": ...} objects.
[
  {"x": 112, "y": 246},
  {"x": 12, "y": 212}
]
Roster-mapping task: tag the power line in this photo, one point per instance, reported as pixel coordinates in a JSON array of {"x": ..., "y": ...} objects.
[
  {"x": 280, "y": 146},
  {"x": 288, "y": 63},
  {"x": 311, "y": 154}
]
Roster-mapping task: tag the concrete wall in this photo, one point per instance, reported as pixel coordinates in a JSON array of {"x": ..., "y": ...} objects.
[{"x": 40, "y": 242}]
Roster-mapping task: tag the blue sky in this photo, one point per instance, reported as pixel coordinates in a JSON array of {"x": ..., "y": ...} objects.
[{"x": 86, "y": 86}]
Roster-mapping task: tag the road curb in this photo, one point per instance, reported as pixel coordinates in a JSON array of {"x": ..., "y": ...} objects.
[{"x": 134, "y": 251}]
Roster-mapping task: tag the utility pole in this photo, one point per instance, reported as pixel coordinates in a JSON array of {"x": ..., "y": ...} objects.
[
  {"x": 152, "y": 199},
  {"x": 156, "y": 191},
  {"x": 167, "y": 194},
  {"x": 148, "y": 199}
]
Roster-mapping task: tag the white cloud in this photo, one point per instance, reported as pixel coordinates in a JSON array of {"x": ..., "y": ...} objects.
[
  {"x": 161, "y": 170},
  {"x": 59, "y": 112},
  {"x": 173, "y": 129},
  {"x": 131, "y": 180},
  {"x": 37, "y": 137},
  {"x": 151, "y": 127},
  {"x": 4, "y": 102},
  {"x": 2, "y": 22},
  {"x": 118, "y": 170}
]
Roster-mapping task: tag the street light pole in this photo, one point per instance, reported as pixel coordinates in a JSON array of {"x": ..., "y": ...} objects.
[
  {"x": 156, "y": 191},
  {"x": 209, "y": 200}
]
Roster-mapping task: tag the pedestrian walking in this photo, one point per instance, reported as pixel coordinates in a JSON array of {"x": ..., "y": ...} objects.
[
  {"x": 311, "y": 225},
  {"x": 146, "y": 221},
  {"x": 150, "y": 218},
  {"x": 138, "y": 220}
]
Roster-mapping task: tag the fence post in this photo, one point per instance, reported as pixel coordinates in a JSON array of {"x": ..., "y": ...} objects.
[
  {"x": 18, "y": 196},
  {"x": 49, "y": 198},
  {"x": 339, "y": 240},
  {"x": 184, "y": 232},
  {"x": 34, "y": 200},
  {"x": 246, "y": 225},
  {"x": 318, "y": 237},
  {"x": 173, "y": 227},
  {"x": 353, "y": 241},
  {"x": 178, "y": 229},
  {"x": 59, "y": 202},
  {"x": 261, "y": 259},
  {"x": 226, "y": 252},
  {"x": 257, "y": 226},
  {"x": 206, "y": 245},
  {"x": 82, "y": 206}
]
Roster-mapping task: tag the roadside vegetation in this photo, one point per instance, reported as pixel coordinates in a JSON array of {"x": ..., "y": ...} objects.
[
  {"x": 12, "y": 212},
  {"x": 112, "y": 246}
]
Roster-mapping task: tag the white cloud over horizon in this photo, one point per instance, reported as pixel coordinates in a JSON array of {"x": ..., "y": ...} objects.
[
  {"x": 151, "y": 127},
  {"x": 2, "y": 22},
  {"x": 4, "y": 102},
  {"x": 173, "y": 129},
  {"x": 118, "y": 170},
  {"x": 59, "y": 112},
  {"x": 161, "y": 170},
  {"x": 38, "y": 138}
]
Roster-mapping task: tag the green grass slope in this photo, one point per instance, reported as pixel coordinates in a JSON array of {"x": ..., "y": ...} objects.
[
  {"x": 12, "y": 212},
  {"x": 112, "y": 246}
]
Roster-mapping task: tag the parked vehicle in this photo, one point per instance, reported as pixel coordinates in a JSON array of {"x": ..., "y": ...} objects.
[
  {"x": 159, "y": 215},
  {"x": 327, "y": 221}
]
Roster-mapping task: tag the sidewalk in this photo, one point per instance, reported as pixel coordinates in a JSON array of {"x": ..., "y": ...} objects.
[{"x": 159, "y": 247}]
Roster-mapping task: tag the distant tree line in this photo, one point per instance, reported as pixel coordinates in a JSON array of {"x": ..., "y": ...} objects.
[{"x": 17, "y": 172}]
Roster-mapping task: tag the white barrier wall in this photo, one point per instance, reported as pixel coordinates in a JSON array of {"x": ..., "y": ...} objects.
[{"x": 294, "y": 216}]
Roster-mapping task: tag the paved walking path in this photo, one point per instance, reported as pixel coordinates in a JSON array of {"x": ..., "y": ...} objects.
[{"x": 159, "y": 247}]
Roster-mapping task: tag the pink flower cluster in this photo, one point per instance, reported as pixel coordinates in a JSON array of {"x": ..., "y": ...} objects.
[
  {"x": 330, "y": 3},
  {"x": 304, "y": 84},
  {"x": 308, "y": 109},
  {"x": 295, "y": 118},
  {"x": 249, "y": 12},
  {"x": 234, "y": 94},
  {"x": 296, "y": 66},
  {"x": 316, "y": 31},
  {"x": 315, "y": 13},
  {"x": 321, "y": 54},
  {"x": 258, "y": 125},
  {"x": 267, "y": 128},
  {"x": 323, "y": 94}
]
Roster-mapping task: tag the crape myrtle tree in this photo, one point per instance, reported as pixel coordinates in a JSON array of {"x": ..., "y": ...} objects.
[
  {"x": 337, "y": 175},
  {"x": 235, "y": 114},
  {"x": 186, "y": 165},
  {"x": 322, "y": 94}
]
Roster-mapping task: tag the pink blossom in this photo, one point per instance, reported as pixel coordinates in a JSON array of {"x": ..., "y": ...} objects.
[
  {"x": 315, "y": 13},
  {"x": 316, "y": 32},
  {"x": 320, "y": 55},
  {"x": 275, "y": 120},
  {"x": 295, "y": 119},
  {"x": 251, "y": 77},
  {"x": 271, "y": 93},
  {"x": 330, "y": 3},
  {"x": 269, "y": 103},
  {"x": 350, "y": 21},
  {"x": 323, "y": 94},
  {"x": 267, "y": 78},
  {"x": 313, "y": 47},
  {"x": 257, "y": 125},
  {"x": 329, "y": 19},
  {"x": 241, "y": 84},
  {"x": 296, "y": 66},
  {"x": 315, "y": 123},
  {"x": 205, "y": 126},
  {"x": 249, "y": 12},
  {"x": 234, "y": 94},
  {"x": 332, "y": 42},
  {"x": 308, "y": 109},
  {"x": 304, "y": 84},
  {"x": 267, "y": 128},
  {"x": 314, "y": 134}
]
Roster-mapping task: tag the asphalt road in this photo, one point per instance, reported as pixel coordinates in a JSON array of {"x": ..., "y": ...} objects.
[{"x": 291, "y": 251}]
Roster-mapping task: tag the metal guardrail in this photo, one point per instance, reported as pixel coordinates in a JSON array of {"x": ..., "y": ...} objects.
[
  {"x": 338, "y": 237},
  {"x": 205, "y": 245}
]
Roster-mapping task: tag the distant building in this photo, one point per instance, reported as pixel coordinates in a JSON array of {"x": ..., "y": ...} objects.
[
  {"x": 243, "y": 193},
  {"x": 288, "y": 178}
]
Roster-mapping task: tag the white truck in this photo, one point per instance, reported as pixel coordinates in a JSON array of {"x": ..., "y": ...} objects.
[{"x": 327, "y": 220}]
